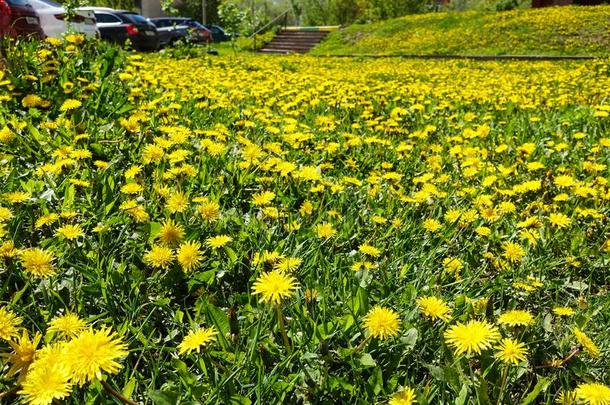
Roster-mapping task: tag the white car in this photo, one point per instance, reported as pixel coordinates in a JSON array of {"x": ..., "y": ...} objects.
[{"x": 55, "y": 22}]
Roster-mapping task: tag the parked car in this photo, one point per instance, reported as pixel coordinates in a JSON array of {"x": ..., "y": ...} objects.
[
  {"x": 118, "y": 26},
  {"x": 172, "y": 29},
  {"x": 19, "y": 19},
  {"x": 218, "y": 33},
  {"x": 55, "y": 22}
]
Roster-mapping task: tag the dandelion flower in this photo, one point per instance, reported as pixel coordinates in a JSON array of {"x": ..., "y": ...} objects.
[
  {"x": 274, "y": 286},
  {"x": 513, "y": 252},
  {"x": 586, "y": 342},
  {"x": 593, "y": 393},
  {"x": 69, "y": 325},
  {"x": 70, "y": 232},
  {"x": 432, "y": 225},
  {"x": 404, "y": 397},
  {"x": 472, "y": 337},
  {"x": 160, "y": 257},
  {"x": 287, "y": 264},
  {"x": 325, "y": 230},
  {"x": 189, "y": 255},
  {"x": 216, "y": 242},
  {"x": 23, "y": 354},
  {"x": 510, "y": 351},
  {"x": 70, "y": 104},
  {"x": 177, "y": 202},
  {"x": 38, "y": 262},
  {"x": 9, "y": 323},
  {"x": 559, "y": 220},
  {"x": 263, "y": 198},
  {"x": 48, "y": 377},
  {"x": 434, "y": 308},
  {"x": 516, "y": 318},
  {"x": 382, "y": 322},
  {"x": 369, "y": 250},
  {"x": 93, "y": 352},
  {"x": 171, "y": 233},
  {"x": 563, "y": 311},
  {"x": 196, "y": 339}
]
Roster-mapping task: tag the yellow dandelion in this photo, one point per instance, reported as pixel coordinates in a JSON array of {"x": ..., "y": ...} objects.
[
  {"x": 434, "y": 308},
  {"x": 516, "y": 318},
  {"x": 369, "y": 250},
  {"x": 70, "y": 232},
  {"x": 23, "y": 354},
  {"x": 93, "y": 353},
  {"x": 263, "y": 198},
  {"x": 196, "y": 339},
  {"x": 287, "y": 264},
  {"x": 325, "y": 230},
  {"x": 274, "y": 286},
  {"x": 216, "y": 242},
  {"x": 586, "y": 342},
  {"x": 177, "y": 202},
  {"x": 510, "y": 351},
  {"x": 593, "y": 393},
  {"x": 159, "y": 257},
  {"x": 563, "y": 311},
  {"x": 513, "y": 252},
  {"x": 189, "y": 255},
  {"x": 472, "y": 337},
  {"x": 70, "y": 104},
  {"x": 38, "y": 262},
  {"x": 382, "y": 322},
  {"x": 69, "y": 325},
  {"x": 48, "y": 378},
  {"x": 171, "y": 233},
  {"x": 404, "y": 397},
  {"x": 9, "y": 323}
]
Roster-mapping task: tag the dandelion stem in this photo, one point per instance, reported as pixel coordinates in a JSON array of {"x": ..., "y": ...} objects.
[
  {"x": 280, "y": 317},
  {"x": 363, "y": 343},
  {"x": 117, "y": 394},
  {"x": 503, "y": 384},
  {"x": 10, "y": 392}
]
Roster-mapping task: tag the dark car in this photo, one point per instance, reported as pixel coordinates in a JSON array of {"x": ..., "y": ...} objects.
[
  {"x": 218, "y": 34},
  {"x": 118, "y": 26},
  {"x": 18, "y": 19},
  {"x": 173, "y": 29}
]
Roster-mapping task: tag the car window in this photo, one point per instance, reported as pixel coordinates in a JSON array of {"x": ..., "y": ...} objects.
[
  {"x": 17, "y": 2},
  {"x": 137, "y": 18},
  {"x": 50, "y": 3},
  {"x": 193, "y": 23},
  {"x": 39, "y": 4},
  {"x": 106, "y": 18},
  {"x": 160, "y": 23}
]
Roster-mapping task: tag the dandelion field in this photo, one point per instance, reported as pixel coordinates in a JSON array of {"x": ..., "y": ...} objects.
[{"x": 250, "y": 229}]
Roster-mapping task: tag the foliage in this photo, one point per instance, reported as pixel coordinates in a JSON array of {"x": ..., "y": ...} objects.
[
  {"x": 249, "y": 229},
  {"x": 558, "y": 30}
]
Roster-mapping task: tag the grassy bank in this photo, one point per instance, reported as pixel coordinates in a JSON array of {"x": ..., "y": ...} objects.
[{"x": 555, "y": 31}]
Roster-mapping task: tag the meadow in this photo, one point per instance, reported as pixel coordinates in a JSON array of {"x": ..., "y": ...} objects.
[
  {"x": 565, "y": 30},
  {"x": 249, "y": 229}
]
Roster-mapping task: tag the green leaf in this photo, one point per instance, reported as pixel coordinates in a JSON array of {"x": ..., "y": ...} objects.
[
  {"x": 366, "y": 361},
  {"x": 220, "y": 320},
  {"x": 164, "y": 397},
  {"x": 542, "y": 385},
  {"x": 129, "y": 387},
  {"x": 463, "y": 396}
]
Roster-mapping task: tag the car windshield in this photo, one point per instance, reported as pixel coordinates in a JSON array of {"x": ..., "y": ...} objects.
[
  {"x": 137, "y": 18},
  {"x": 193, "y": 23},
  {"x": 17, "y": 2}
]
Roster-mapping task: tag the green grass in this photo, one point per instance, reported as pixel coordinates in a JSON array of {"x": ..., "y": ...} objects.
[{"x": 569, "y": 30}]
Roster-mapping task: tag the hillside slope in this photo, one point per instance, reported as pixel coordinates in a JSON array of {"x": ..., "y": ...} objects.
[{"x": 568, "y": 30}]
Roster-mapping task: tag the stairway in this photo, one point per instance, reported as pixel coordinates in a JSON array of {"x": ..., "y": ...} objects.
[{"x": 296, "y": 39}]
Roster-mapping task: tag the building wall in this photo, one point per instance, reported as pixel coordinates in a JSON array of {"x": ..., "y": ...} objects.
[{"x": 151, "y": 8}]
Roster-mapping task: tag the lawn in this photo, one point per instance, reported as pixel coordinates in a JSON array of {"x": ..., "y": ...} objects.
[
  {"x": 249, "y": 229},
  {"x": 567, "y": 30}
]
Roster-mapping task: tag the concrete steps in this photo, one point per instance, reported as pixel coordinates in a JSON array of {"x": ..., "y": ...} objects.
[{"x": 294, "y": 40}]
